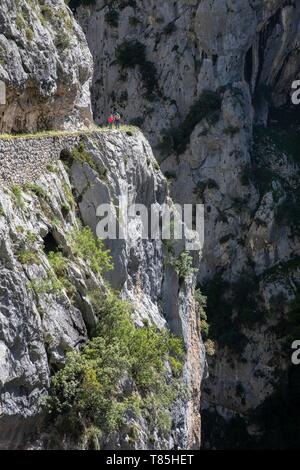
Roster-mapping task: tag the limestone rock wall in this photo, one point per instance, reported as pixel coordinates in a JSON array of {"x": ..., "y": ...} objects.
[
  {"x": 46, "y": 66},
  {"x": 192, "y": 46},
  {"x": 247, "y": 54},
  {"x": 36, "y": 331}
]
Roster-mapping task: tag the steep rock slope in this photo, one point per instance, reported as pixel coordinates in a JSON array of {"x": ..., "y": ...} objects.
[
  {"x": 155, "y": 62},
  {"x": 46, "y": 66},
  {"x": 46, "y": 308},
  {"x": 190, "y": 46}
]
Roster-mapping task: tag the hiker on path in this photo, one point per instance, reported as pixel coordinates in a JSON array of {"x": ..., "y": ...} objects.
[
  {"x": 110, "y": 121},
  {"x": 117, "y": 120}
]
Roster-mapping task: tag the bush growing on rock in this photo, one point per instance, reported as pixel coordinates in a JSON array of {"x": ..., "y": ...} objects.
[
  {"x": 176, "y": 139},
  {"x": 73, "y": 4},
  {"x": 90, "y": 249},
  {"x": 17, "y": 196},
  {"x": 112, "y": 18},
  {"x": 133, "y": 53},
  {"x": 121, "y": 372},
  {"x": 80, "y": 154}
]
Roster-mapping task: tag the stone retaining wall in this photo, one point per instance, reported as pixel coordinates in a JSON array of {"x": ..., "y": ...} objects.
[{"x": 24, "y": 159}]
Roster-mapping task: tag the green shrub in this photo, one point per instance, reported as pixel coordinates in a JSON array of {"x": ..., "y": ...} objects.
[
  {"x": 170, "y": 28},
  {"x": 59, "y": 265},
  {"x": 80, "y": 154},
  {"x": 90, "y": 249},
  {"x": 201, "y": 304},
  {"x": 2, "y": 212},
  {"x": 37, "y": 190},
  {"x": 62, "y": 40},
  {"x": 46, "y": 11},
  {"x": 224, "y": 329},
  {"x": 31, "y": 237},
  {"x": 17, "y": 195},
  {"x": 112, "y": 17},
  {"x": 133, "y": 53},
  {"x": 183, "y": 265},
  {"x": 88, "y": 390},
  {"x": 208, "y": 106},
  {"x": 29, "y": 34},
  {"x": 69, "y": 195},
  {"x": 2, "y": 55},
  {"x": 20, "y": 22},
  {"x": 73, "y": 4},
  {"x": 201, "y": 301},
  {"x": 29, "y": 257}
]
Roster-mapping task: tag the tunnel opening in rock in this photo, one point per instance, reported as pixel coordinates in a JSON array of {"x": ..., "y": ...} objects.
[
  {"x": 66, "y": 155},
  {"x": 50, "y": 244}
]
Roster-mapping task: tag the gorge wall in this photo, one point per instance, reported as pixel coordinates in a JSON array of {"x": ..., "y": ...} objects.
[
  {"x": 209, "y": 82},
  {"x": 46, "y": 66},
  {"x": 43, "y": 317},
  {"x": 90, "y": 357}
]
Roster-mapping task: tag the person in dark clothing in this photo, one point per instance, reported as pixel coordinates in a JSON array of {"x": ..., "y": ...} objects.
[{"x": 117, "y": 120}]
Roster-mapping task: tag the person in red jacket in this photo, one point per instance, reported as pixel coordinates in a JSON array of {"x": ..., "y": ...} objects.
[{"x": 110, "y": 121}]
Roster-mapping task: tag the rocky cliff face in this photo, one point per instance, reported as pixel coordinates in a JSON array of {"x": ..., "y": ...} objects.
[
  {"x": 57, "y": 292},
  {"x": 190, "y": 46},
  {"x": 209, "y": 82},
  {"x": 198, "y": 77},
  {"x": 46, "y": 66},
  {"x": 41, "y": 320}
]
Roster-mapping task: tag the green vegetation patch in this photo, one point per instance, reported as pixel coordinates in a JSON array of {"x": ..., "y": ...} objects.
[
  {"x": 37, "y": 190},
  {"x": 112, "y": 17},
  {"x": 55, "y": 133},
  {"x": 29, "y": 257},
  {"x": 17, "y": 196},
  {"x": 90, "y": 249},
  {"x": 208, "y": 106},
  {"x": 201, "y": 304},
  {"x": 269, "y": 145},
  {"x": 133, "y": 53},
  {"x": 80, "y": 154},
  {"x": 231, "y": 307},
  {"x": 90, "y": 390}
]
